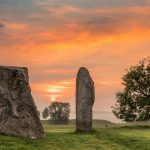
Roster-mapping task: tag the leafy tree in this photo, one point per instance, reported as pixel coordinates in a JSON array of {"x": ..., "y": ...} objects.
[
  {"x": 133, "y": 102},
  {"x": 45, "y": 113},
  {"x": 59, "y": 112},
  {"x": 38, "y": 113}
]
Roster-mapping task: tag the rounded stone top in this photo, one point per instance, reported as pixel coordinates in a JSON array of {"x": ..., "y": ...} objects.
[{"x": 83, "y": 71}]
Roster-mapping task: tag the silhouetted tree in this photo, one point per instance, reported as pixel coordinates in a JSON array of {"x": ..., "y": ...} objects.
[
  {"x": 59, "y": 112},
  {"x": 133, "y": 103},
  {"x": 38, "y": 113},
  {"x": 45, "y": 113}
]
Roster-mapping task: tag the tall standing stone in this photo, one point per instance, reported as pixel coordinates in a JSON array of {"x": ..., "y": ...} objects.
[
  {"x": 18, "y": 113},
  {"x": 85, "y": 97}
]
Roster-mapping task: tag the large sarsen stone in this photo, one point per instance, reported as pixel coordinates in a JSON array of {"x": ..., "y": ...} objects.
[
  {"x": 85, "y": 97},
  {"x": 18, "y": 113}
]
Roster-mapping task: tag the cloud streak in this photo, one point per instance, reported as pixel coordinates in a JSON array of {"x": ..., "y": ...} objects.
[
  {"x": 2, "y": 25},
  {"x": 54, "y": 38}
]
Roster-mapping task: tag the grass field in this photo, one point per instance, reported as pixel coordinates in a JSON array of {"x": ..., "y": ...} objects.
[{"x": 106, "y": 137}]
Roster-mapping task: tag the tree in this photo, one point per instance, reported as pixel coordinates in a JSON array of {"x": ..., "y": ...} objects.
[
  {"x": 38, "y": 113},
  {"x": 59, "y": 112},
  {"x": 133, "y": 102},
  {"x": 45, "y": 113}
]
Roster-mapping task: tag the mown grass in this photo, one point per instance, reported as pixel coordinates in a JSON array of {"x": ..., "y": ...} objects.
[{"x": 63, "y": 137}]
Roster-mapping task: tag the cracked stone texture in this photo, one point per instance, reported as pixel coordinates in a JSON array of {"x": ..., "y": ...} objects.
[
  {"x": 85, "y": 97},
  {"x": 18, "y": 113}
]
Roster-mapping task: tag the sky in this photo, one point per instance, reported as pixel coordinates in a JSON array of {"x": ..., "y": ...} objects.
[{"x": 54, "y": 38}]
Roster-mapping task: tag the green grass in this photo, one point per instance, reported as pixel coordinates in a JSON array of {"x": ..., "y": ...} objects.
[
  {"x": 95, "y": 122},
  {"x": 61, "y": 137}
]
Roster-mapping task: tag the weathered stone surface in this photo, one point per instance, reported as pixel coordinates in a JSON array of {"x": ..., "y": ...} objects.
[
  {"x": 18, "y": 113},
  {"x": 85, "y": 97}
]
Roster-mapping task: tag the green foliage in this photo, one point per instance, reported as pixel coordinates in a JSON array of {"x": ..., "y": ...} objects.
[
  {"x": 45, "y": 113},
  {"x": 133, "y": 103},
  {"x": 38, "y": 113},
  {"x": 59, "y": 112}
]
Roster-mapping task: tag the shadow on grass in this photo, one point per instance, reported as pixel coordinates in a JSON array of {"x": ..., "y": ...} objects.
[
  {"x": 135, "y": 127},
  {"x": 78, "y": 131}
]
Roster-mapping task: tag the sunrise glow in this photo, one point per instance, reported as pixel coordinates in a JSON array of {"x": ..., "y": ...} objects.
[
  {"x": 55, "y": 38},
  {"x": 53, "y": 99}
]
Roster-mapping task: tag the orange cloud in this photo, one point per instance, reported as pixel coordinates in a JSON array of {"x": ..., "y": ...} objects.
[{"x": 54, "y": 41}]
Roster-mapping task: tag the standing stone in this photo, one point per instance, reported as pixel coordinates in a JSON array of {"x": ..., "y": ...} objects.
[
  {"x": 18, "y": 113},
  {"x": 85, "y": 97}
]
